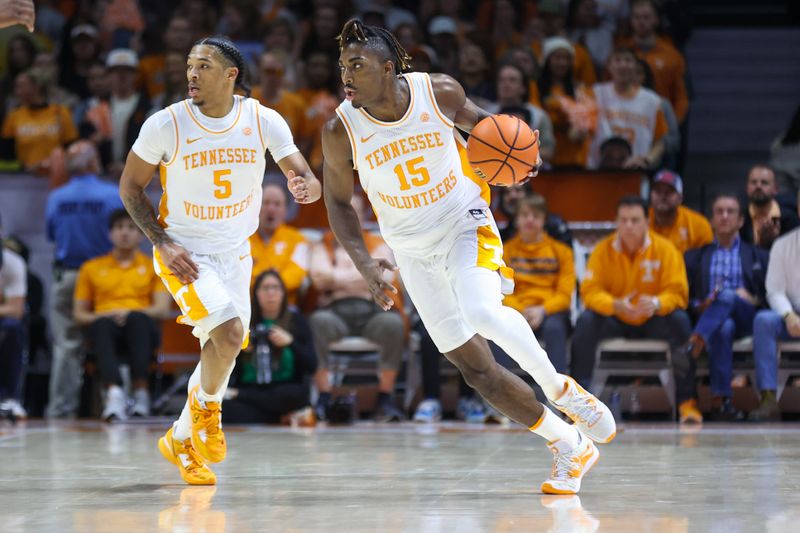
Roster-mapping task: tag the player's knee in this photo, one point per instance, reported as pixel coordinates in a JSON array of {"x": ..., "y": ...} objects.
[
  {"x": 482, "y": 379},
  {"x": 228, "y": 341},
  {"x": 479, "y": 315}
]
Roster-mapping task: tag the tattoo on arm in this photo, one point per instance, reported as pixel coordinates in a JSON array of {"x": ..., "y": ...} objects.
[{"x": 141, "y": 210}]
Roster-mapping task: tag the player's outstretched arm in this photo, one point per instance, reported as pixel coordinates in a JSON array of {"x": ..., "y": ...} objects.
[
  {"x": 338, "y": 191},
  {"x": 135, "y": 177},
  {"x": 464, "y": 113},
  {"x": 302, "y": 183},
  {"x": 17, "y": 12}
]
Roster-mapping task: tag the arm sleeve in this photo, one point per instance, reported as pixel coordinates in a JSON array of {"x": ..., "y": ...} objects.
[
  {"x": 777, "y": 278},
  {"x": 83, "y": 286},
  {"x": 16, "y": 278},
  {"x": 593, "y": 292},
  {"x": 296, "y": 268},
  {"x": 674, "y": 286},
  {"x": 156, "y": 141},
  {"x": 277, "y": 135},
  {"x": 68, "y": 132},
  {"x": 660, "y": 127},
  {"x": 561, "y": 300},
  {"x": 680, "y": 97}
]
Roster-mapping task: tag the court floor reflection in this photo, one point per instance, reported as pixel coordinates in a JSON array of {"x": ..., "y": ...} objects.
[{"x": 451, "y": 478}]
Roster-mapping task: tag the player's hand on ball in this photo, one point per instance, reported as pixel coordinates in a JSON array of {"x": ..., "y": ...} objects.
[
  {"x": 299, "y": 188},
  {"x": 535, "y": 170},
  {"x": 179, "y": 262},
  {"x": 378, "y": 286}
]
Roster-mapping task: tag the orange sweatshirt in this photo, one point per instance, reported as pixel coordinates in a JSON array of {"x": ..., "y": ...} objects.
[
  {"x": 690, "y": 229},
  {"x": 655, "y": 270},
  {"x": 287, "y": 252},
  {"x": 544, "y": 274}
]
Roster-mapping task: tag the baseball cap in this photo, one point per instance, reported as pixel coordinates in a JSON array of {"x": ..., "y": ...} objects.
[
  {"x": 441, "y": 24},
  {"x": 83, "y": 29},
  {"x": 670, "y": 178},
  {"x": 122, "y": 57}
]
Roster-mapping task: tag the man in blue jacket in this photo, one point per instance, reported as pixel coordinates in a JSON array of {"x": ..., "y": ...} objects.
[
  {"x": 726, "y": 288},
  {"x": 77, "y": 222}
]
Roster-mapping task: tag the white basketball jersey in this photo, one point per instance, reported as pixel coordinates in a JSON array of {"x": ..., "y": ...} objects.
[
  {"x": 633, "y": 119},
  {"x": 212, "y": 184},
  {"x": 414, "y": 170}
]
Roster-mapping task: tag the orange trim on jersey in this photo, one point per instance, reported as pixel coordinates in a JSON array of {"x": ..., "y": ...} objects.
[
  {"x": 350, "y": 136},
  {"x": 447, "y": 122},
  {"x": 258, "y": 124},
  {"x": 163, "y": 208},
  {"x": 184, "y": 295},
  {"x": 490, "y": 248},
  {"x": 238, "y": 114},
  {"x": 404, "y": 117},
  {"x": 466, "y": 169},
  {"x": 177, "y": 143}
]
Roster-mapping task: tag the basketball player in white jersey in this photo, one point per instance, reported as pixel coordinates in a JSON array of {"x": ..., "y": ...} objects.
[
  {"x": 398, "y": 130},
  {"x": 210, "y": 153}
]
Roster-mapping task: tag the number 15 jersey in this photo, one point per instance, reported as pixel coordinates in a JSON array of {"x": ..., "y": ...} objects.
[
  {"x": 414, "y": 170},
  {"x": 211, "y": 170}
]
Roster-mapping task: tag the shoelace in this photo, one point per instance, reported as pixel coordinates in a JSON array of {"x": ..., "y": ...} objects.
[
  {"x": 210, "y": 417},
  {"x": 196, "y": 462},
  {"x": 585, "y": 411},
  {"x": 566, "y": 465}
]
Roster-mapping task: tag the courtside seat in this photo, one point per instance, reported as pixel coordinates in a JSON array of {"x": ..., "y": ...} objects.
[{"x": 634, "y": 358}]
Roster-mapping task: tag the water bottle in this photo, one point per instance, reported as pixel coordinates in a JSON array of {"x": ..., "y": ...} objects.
[{"x": 263, "y": 356}]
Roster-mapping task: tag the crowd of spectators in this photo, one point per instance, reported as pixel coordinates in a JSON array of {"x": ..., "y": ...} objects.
[{"x": 602, "y": 80}]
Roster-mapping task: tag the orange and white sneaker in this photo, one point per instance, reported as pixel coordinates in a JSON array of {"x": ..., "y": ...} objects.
[
  {"x": 207, "y": 436},
  {"x": 192, "y": 467},
  {"x": 591, "y": 416},
  {"x": 688, "y": 412},
  {"x": 570, "y": 465}
]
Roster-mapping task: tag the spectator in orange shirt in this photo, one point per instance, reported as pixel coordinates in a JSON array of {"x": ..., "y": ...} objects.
[
  {"x": 277, "y": 245},
  {"x": 32, "y": 131},
  {"x": 178, "y": 37},
  {"x": 667, "y": 63},
  {"x": 569, "y": 104},
  {"x": 118, "y": 298},
  {"x": 544, "y": 278},
  {"x": 271, "y": 91},
  {"x": 684, "y": 228}
]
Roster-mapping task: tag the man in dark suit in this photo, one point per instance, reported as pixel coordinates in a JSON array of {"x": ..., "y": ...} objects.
[{"x": 726, "y": 288}]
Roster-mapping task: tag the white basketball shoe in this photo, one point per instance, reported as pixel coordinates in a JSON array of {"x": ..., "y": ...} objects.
[
  {"x": 569, "y": 466},
  {"x": 591, "y": 416}
]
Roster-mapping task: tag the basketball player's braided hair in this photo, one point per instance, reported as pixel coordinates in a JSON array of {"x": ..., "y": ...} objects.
[
  {"x": 231, "y": 53},
  {"x": 356, "y": 31}
]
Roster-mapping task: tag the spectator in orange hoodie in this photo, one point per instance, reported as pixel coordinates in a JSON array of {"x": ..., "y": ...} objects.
[{"x": 635, "y": 286}]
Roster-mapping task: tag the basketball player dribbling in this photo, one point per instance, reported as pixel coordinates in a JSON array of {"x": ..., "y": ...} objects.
[
  {"x": 210, "y": 153},
  {"x": 398, "y": 130}
]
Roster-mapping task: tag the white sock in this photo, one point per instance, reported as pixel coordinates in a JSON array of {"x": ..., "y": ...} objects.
[
  {"x": 552, "y": 428},
  {"x": 506, "y": 327}
]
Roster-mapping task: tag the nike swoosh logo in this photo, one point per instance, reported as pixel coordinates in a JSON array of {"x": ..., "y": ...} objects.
[
  {"x": 190, "y": 141},
  {"x": 365, "y": 139}
]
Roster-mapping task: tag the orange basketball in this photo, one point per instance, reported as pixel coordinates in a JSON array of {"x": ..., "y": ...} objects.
[{"x": 502, "y": 149}]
